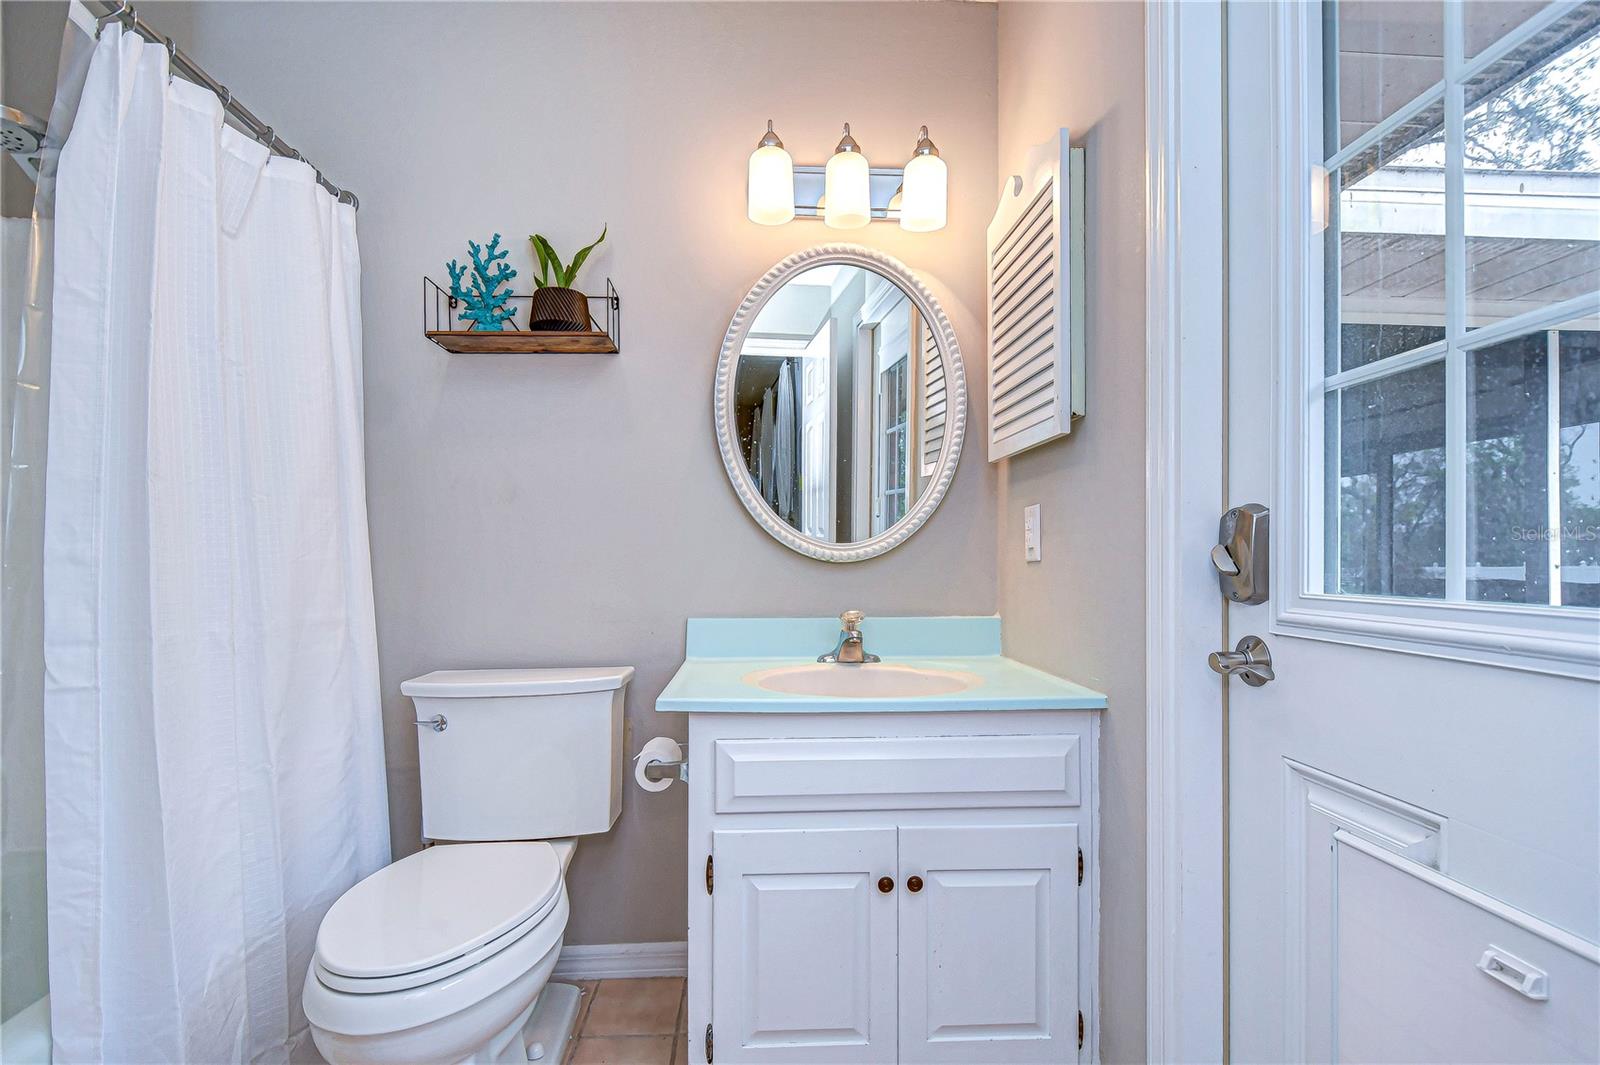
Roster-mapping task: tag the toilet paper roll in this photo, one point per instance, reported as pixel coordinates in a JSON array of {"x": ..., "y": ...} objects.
[{"x": 659, "y": 749}]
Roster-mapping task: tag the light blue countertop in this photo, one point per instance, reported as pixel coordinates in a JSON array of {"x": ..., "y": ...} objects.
[{"x": 721, "y": 652}]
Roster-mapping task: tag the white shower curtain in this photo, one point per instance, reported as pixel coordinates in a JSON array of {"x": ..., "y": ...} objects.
[{"x": 214, "y": 762}]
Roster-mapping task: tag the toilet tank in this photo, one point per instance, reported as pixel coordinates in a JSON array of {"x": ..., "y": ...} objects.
[{"x": 509, "y": 754}]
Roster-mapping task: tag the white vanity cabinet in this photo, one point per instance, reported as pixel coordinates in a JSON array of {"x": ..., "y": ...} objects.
[{"x": 892, "y": 887}]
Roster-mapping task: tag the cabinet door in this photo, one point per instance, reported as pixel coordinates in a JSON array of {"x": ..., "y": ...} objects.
[
  {"x": 803, "y": 946},
  {"x": 989, "y": 944}
]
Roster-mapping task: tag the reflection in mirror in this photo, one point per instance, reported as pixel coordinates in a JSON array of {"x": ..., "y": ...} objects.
[{"x": 839, "y": 403}]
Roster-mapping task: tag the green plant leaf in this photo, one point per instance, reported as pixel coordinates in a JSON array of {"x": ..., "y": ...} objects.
[
  {"x": 552, "y": 276},
  {"x": 555, "y": 263},
  {"x": 577, "y": 260},
  {"x": 544, "y": 261}
]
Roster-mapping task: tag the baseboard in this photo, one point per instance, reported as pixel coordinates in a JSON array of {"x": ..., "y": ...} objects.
[{"x": 615, "y": 961}]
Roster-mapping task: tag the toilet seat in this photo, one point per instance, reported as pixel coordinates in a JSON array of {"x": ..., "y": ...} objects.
[
  {"x": 518, "y": 970},
  {"x": 436, "y": 913}
]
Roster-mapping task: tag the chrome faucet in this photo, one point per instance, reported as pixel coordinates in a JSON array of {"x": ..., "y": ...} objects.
[{"x": 849, "y": 650}]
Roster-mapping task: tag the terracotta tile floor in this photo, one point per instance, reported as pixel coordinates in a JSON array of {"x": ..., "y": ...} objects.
[{"x": 630, "y": 1022}]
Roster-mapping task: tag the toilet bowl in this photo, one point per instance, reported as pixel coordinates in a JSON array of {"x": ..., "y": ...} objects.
[
  {"x": 446, "y": 955},
  {"x": 440, "y": 957}
]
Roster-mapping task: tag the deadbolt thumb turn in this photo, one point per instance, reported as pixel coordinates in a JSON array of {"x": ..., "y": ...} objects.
[{"x": 1251, "y": 662}]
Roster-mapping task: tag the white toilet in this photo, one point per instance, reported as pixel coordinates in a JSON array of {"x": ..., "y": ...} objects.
[{"x": 445, "y": 955}]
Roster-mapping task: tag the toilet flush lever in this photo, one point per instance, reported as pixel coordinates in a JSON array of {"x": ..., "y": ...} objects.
[{"x": 438, "y": 722}]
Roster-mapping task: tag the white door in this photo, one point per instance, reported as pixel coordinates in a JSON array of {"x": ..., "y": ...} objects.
[
  {"x": 1413, "y": 389},
  {"x": 804, "y": 946},
  {"x": 989, "y": 943}
]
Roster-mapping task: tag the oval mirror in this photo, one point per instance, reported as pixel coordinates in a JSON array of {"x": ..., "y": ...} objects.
[{"x": 840, "y": 403}]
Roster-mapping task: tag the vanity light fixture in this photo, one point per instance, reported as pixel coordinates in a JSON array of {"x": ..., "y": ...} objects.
[
  {"x": 848, "y": 192},
  {"x": 847, "y": 186},
  {"x": 923, "y": 192},
  {"x": 771, "y": 188}
]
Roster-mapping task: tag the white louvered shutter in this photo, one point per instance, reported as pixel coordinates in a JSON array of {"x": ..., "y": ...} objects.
[
  {"x": 934, "y": 402},
  {"x": 1035, "y": 302}
]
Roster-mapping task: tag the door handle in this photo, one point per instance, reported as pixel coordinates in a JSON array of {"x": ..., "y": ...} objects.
[
  {"x": 1250, "y": 661},
  {"x": 1529, "y": 981}
]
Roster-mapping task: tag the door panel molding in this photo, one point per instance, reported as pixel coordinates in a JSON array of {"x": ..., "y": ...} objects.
[
  {"x": 1380, "y": 819},
  {"x": 1320, "y": 806}
]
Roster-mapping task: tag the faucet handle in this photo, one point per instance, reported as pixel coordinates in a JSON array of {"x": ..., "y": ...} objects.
[{"x": 851, "y": 619}]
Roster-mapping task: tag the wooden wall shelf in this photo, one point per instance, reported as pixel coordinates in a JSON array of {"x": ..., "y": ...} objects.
[
  {"x": 519, "y": 342},
  {"x": 442, "y": 325}
]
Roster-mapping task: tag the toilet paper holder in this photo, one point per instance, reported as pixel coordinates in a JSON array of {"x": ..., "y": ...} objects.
[{"x": 656, "y": 770}]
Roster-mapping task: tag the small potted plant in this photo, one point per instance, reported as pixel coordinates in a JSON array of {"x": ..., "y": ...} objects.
[{"x": 557, "y": 306}]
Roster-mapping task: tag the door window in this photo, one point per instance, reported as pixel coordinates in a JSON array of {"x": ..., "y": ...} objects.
[
  {"x": 893, "y": 429},
  {"x": 1460, "y": 398}
]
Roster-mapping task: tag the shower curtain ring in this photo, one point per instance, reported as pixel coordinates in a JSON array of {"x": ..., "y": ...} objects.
[
  {"x": 227, "y": 98},
  {"x": 172, "y": 59},
  {"x": 113, "y": 16}
]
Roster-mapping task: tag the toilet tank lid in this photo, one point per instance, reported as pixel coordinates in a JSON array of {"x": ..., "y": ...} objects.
[{"x": 486, "y": 683}]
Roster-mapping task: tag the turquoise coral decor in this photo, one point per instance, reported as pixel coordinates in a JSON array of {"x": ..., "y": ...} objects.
[{"x": 488, "y": 304}]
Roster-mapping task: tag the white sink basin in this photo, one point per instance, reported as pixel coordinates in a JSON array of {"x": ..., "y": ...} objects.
[{"x": 868, "y": 681}]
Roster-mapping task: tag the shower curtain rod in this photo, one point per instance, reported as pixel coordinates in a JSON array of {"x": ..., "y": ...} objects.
[{"x": 124, "y": 13}]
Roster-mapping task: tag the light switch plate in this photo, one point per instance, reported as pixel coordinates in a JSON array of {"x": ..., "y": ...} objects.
[{"x": 1030, "y": 533}]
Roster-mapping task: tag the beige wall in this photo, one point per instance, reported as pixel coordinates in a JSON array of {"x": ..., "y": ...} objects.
[
  {"x": 1080, "y": 611},
  {"x": 556, "y": 510}
]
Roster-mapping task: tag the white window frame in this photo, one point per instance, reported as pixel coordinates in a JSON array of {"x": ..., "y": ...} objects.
[{"x": 1545, "y": 639}]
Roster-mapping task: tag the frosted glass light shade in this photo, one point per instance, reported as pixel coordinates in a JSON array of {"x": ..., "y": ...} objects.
[
  {"x": 771, "y": 188},
  {"x": 847, "y": 188},
  {"x": 923, "y": 199}
]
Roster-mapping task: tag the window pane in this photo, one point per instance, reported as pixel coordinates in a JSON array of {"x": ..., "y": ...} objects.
[
  {"x": 1580, "y": 467},
  {"x": 1380, "y": 56},
  {"x": 1508, "y": 510},
  {"x": 1361, "y": 343},
  {"x": 1532, "y": 182},
  {"x": 1387, "y": 470},
  {"x": 1388, "y": 280},
  {"x": 1514, "y": 536}
]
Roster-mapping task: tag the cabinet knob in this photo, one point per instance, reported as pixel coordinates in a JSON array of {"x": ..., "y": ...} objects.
[
  {"x": 885, "y": 884},
  {"x": 914, "y": 884}
]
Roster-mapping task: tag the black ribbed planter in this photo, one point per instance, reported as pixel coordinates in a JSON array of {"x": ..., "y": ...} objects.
[{"x": 559, "y": 310}]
